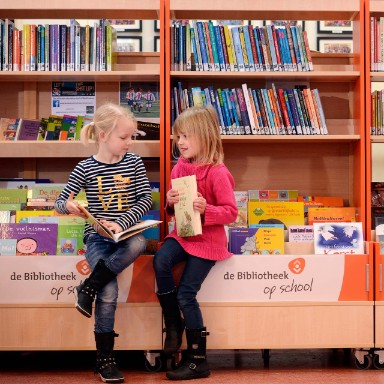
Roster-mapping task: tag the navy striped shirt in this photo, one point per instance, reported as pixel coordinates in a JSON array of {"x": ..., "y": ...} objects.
[{"x": 117, "y": 192}]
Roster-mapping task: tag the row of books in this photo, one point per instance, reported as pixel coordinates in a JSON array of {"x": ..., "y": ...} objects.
[
  {"x": 246, "y": 111},
  {"x": 53, "y": 47},
  {"x": 377, "y": 112},
  {"x": 327, "y": 238},
  {"x": 66, "y": 127},
  {"x": 204, "y": 46},
  {"x": 377, "y": 43}
]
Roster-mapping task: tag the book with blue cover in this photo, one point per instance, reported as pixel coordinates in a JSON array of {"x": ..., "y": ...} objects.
[{"x": 338, "y": 238}]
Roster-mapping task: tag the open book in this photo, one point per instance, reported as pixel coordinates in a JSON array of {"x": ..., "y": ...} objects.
[{"x": 106, "y": 232}]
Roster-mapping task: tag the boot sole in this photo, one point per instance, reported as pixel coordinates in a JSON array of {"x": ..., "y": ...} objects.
[
  {"x": 191, "y": 377},
  {"x": 120, "y": 380}
]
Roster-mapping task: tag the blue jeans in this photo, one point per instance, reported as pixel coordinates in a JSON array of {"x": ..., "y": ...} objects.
[
  {"x": 195, "y": 271},
  {"x": 117, "y": 257}
]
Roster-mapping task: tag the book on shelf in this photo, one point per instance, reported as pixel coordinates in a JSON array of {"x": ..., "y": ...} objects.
[
  {"x": 273, "y": 194},
  {"x": 7, "y": 216},
  {"x": 28, "y": 130},
  {"x": 70, "y": 236},
  {"x": 298, "y": 233},
  {"x": 331, "y": 214},
  {"x": 106, "y": 232},
  {"x": 260, "y": 240},
  {"x": 13, "y": 196},
  {"x": 338, "y": 238},
  {"x": 188, "y": 220},
  {"x": 23, "y": 216},
  {"x": 30, "y": 239},
  {"x": 286, "y": 212},
  {"x": 9, "y": 128}
]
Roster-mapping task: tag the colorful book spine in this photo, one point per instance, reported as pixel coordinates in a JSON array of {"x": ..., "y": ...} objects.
[
  {"x": 295, "y": 114},
  {"x": 251, "y": 35},
  {"x": 225, "y": 49},
  {"x": 219, "y": 48},
  {"x": 243, "y": 49},
  {"x": 258, "y": 113},
  {"x": 249, "y": 108},
  {"x": 203, "y": 48},
  {"x": 230, "y": 48},
  {"x": 271, "y": 44},
  {"x": 321, "y": 112},
  {"x": 243, "y": 111},
  {"x": 214, "y": 43},
  {"x": 208, "y": 43},
  {"x": 247, "y": 41},
  {"x": 237, "y": 48},
  {"x": 199, "y": 61}
]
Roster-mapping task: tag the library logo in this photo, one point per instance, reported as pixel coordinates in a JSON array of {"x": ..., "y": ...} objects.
[
  {"x": 83, "y": 267},
  {"x": 297, "y": 266}
]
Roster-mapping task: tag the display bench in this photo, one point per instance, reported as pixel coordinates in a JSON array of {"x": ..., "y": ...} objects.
[{"x": 37, "y": 306}]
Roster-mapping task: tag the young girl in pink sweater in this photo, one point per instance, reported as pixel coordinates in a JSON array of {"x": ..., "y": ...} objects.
[{"x": 197, "y": 137}]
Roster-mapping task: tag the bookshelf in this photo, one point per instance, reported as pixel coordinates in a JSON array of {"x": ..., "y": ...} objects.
[
  {"x": 323, "y": 165},
  {"x": 28, "y": 95},
  {"x": 373, "y": 79}
]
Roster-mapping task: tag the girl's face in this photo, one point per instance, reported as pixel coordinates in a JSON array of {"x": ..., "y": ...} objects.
[
  {"x": 120, "y": 139},
  {"x": 188, "y": 146}
]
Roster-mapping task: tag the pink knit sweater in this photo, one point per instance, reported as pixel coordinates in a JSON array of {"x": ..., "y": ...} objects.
[{"x": 216, "y": 184}]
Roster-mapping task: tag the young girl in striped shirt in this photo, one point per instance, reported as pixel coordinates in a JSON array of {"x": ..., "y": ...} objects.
[{"x": 118, "y": 194}]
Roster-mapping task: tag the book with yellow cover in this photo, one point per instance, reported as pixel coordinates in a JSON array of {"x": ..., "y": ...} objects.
[
  {"x": 331, "y": 214},
  {"x": 286, "y": 212},
  {"x": 188, "y": 220}
]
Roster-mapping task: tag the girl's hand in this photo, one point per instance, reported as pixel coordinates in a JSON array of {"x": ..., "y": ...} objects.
[
  {"x": 73, "y": 207},
  {"x": 172, "y": 197},
  {"x": 114, "y": 227},
  {"x": 200, "y": 203}
]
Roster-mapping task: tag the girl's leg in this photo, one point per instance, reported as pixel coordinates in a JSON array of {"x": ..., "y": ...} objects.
[
  {"x": 195, "y": 272},
  {"x": 165, "y": 258}
]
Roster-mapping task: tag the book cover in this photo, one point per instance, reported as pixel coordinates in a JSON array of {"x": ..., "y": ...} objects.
[
  {"x": 29, "y": 130},
  {"x": 188, "y": 221},
  {"x": 106, "y": 232},
  {"x": 70, "y": 236},
  {"x": 24, "y": 216},
  {"x": 263, "y": 240},
  {"x": 46, "y": 192},
  {"x": 8, "y": 247},
  {"x": 9, "y": 128},
  {"x": 13, "y": 196},
  {"x": 286, "y": 212},
  {"x": 273, "y": 194},
  {"x": 338, "y": 238},
  {"x": 7, "y": 216},
  {"x": 31, "y": 239},
  {"x": 331, "y": 214},
  {"x": 297, "y": 233}
]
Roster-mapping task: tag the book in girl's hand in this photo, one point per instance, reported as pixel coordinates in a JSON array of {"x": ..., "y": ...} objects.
[
  {"x": 106, "y": 232},
  {"x": 188, "y": 220}
]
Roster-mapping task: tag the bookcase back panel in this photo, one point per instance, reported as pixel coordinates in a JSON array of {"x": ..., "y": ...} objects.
[
  {"x": 312, "y": 169},
  {"x": 11, "y": 99}
]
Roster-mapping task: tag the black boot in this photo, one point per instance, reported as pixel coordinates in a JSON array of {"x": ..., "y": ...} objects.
[
  {"x": 87, "y": 291},
  {"x": 174, "y": 324},
  {"x": 194, "y": 365},
  {"x": 105, "y": 362}
]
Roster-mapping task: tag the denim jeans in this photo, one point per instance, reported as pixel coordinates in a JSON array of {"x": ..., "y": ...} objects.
[
  {"x": 195, "y": 271},
  {"x": 117, "y": 257}
]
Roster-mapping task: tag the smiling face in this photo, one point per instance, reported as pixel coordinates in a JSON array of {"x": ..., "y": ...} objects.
[
  {"x": 119, "y": 140},
  {"x": 188, "y": 146}
]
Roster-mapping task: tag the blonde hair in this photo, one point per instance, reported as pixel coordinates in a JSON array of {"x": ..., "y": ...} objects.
[
  {"x": 201, "y": 122},
  {"x": 105, "y": 119}
]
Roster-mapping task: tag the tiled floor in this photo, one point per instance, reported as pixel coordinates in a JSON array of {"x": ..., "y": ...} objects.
[{"x": 228, "y": 367}]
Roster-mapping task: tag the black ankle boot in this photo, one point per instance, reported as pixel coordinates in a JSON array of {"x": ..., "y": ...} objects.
[
  {"x": 194, "y": 365},
  {"x": 87, "y": 291},
  {"x": 174, "y": 324},
  {"x": 105, "y": 362}
]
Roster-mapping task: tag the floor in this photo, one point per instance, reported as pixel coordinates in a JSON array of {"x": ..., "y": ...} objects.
[{"x": 314, "y": 366}]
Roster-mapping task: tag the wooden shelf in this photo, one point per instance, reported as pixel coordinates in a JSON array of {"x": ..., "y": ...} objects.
[
  {"x": 57, "y": 149},
  {"x": 148, "y": 72},
  {"x": 265, "y": 10},
  {"x": 344, "y": 74},
  {"x": 97, "y": 9}
]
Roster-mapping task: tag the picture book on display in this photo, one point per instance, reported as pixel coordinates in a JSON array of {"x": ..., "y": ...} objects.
[
  {"x": 28, "y": 130},
  {"x": 70, "y": 236},
  {"x": 286, "y": 212},
  {"x": 188, "y": 221},
  {"x": 30, "y": 239},
  {"x": 261, "y": 240},
  {"x": 106, "y": 232},
  {"x": 338, "y": 238},
  {"x": 331, "y": 214},
  {"x": 298, "y": 233}
]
